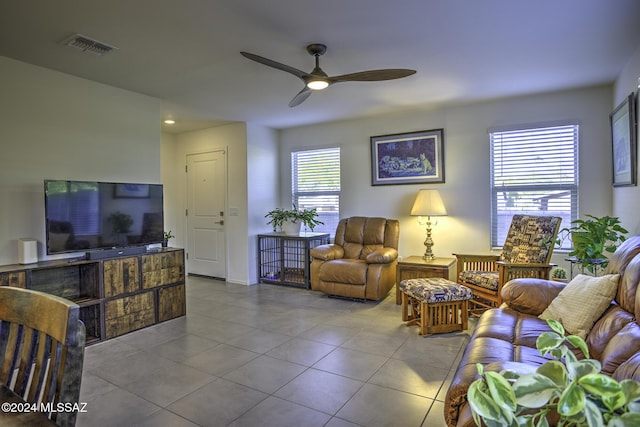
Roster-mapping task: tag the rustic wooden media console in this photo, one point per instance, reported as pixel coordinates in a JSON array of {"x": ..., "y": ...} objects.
[{"x": 116, "y": 295}]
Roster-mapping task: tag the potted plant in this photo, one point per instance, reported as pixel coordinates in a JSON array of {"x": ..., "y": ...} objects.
[
  {"x": 559, "y": 274},
  {"x": 593, "y": 237},
  {"x": 571, "y": 389},
  {"x": 279, "y": 218},
  {"x": 165, "y": 238}
]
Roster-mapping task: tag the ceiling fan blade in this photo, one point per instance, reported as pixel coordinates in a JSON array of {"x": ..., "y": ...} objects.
[
  {"x": 373, "y": 75},
  {"x": 300, "y": 97},
  {"x": 271, "y": 63}
]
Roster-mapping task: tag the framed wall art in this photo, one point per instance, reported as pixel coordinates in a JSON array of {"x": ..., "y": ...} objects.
[
  {"x": 408, "y": 158},
  {"x": 624, "y": 143}
]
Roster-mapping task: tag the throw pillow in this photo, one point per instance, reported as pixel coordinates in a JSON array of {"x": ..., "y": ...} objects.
[{"x": 582, "y": 302}]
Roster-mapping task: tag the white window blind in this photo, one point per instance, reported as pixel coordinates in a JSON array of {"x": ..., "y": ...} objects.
[
  {"x": 533, "y": 172},
  {"x": 316, "y": 184}
]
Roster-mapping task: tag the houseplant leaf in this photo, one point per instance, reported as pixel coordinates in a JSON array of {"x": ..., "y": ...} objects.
[
  {"x": 501, "y": 391},
  {"x": 555, "y": 371},
  {"x": 533, "y": 390},
  {"x": 572, "y": 400},
  {"x": 548, "y": 341},
  {"x": 579, "y": 343},
  {"x": 592, "y": 415},
  {"x": 580, "y": 368},
  {"x": 600, "y": 384},
  {"x": 482, "y": 403}
]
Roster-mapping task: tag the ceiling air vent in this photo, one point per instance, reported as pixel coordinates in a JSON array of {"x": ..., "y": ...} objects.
[{"x": 88, "y": 45}]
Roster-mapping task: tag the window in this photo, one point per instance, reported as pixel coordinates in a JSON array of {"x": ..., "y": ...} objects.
[
  {"x": 316, "y": 184},
  {"x": 533, "y": 172}
]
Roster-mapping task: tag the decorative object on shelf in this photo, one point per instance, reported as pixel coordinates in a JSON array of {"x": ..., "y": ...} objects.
[
  {"x": 408, "y": 158},
  {"x": 593, "y": 237},
  {"x": 428, "y": 203},
  {"x": 559, "y": 274},
  {"x": 624, "y": 143},
  {"x": 575, "y": 389},
  {"x": 165, "y": 238},
  {"x": 278, "y": 219}
]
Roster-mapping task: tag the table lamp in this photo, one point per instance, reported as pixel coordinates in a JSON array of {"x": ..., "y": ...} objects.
[{"x": 428, "y": 203}]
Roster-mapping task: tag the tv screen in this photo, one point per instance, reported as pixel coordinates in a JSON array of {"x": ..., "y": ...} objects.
[{"x": 84, "y": 215}]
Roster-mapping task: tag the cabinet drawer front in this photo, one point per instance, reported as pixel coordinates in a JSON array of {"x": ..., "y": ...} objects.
[
  {"x": 171, "y": 302},
  {"x": 162, "y": 269},
  {"x": 121, "y": 276},
  {"x": 128, "y": 305},
  {"x": 17, "y": 279},
  {"x": 130, "y": 322}
]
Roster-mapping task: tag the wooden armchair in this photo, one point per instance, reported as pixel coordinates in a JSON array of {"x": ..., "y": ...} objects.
[
  {"x": 42, "y": 350},
  {"x": 526, "y": 252}
]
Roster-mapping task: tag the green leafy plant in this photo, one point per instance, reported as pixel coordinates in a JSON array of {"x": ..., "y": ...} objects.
[
  {"x": 120, "y": 222},
  {"x": 167, "y": 235},
  {"x": 593, "y": 237},
  {"x": 308, "y": 217},
  {"x": 570, "y": 389},
  {"x": 559, "y": 273}
]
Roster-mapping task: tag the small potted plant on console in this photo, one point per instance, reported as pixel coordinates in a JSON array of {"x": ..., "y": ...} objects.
[{"x": 165, "y": 238}]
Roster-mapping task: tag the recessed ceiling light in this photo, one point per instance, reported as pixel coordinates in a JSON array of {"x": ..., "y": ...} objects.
[{"x": 169, "y": 122}]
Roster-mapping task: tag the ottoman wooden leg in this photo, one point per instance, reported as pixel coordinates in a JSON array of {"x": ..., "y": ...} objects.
[
  {"x": 405, "y": 308},
  {"x": 424, "y": 314}
]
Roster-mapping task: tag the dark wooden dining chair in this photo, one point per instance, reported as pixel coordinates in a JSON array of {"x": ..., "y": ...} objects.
[{"x": 42, "y": 350}]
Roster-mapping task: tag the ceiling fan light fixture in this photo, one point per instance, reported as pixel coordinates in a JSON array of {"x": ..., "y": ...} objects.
[{"x": 317, "y": 84}]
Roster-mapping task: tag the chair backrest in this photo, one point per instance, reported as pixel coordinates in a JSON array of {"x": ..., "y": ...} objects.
[
  {"x": 530, "y": 239},
  {"x": 41, "y": 349},
  {"x": 359, "y": 236}
]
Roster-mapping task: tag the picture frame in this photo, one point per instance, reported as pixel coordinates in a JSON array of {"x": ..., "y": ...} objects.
[
  {"x": 131, "y": 191},
  {"x": 408, "y": 158},
  {"x": 624, "y": 143}
]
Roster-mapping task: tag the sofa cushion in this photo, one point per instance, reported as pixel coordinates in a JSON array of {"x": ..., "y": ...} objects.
[{"x": 582, "y": 302}]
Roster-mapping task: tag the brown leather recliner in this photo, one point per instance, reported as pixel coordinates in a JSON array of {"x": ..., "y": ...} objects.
[{"x": 362, "y": 261}]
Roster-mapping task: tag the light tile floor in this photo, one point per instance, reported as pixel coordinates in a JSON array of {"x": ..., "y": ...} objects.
[{"x": 269, "y": 355}]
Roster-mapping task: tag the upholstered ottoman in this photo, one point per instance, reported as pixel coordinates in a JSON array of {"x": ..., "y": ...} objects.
[{"x": 437, "y": 305}]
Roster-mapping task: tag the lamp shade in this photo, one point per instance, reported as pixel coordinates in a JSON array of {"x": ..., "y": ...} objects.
[{"x": 428, "y": 203}]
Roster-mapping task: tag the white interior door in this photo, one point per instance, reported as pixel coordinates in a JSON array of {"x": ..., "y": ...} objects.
[{"x": 206, "y": 198}]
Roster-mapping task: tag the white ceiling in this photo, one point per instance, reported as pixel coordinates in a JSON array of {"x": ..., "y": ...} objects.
[{"x": 187, "y": 52}]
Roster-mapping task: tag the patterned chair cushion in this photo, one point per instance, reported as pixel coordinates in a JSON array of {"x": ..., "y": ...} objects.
[
  {"x": 435, "y": 289},
  {"x": 530, "y": 239},
  {"x": 484, "y": 279}
]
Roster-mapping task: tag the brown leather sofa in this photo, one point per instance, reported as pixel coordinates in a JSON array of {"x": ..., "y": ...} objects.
[
  {"x": 361, "y": 263},
  {"x": 506, "y": 335}
]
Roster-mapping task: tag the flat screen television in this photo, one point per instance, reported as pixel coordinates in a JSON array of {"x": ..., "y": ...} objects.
[{"x": 88, "y": 215}]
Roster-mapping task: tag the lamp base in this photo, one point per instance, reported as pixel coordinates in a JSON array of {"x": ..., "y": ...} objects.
[
  {"x": 428, "y": 243},
  {"x": 428, "y": 256}
]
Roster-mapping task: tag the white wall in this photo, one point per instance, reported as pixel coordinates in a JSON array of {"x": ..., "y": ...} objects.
[
  {"x": 262, "y": 191},
  {"x": 466, "y": 190},
  {"x": 626, "y": 200},
  {"x": 57, "y": 126},
  {"x": 252, "y": 170}
]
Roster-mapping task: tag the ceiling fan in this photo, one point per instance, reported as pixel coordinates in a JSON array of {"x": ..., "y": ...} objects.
[{"x": 318, "y": 79}]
